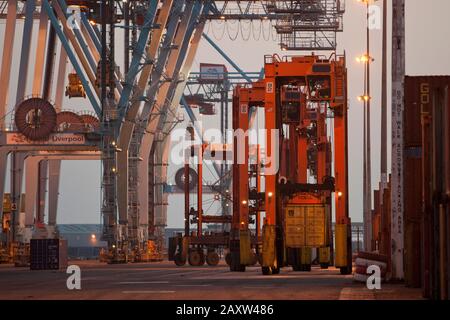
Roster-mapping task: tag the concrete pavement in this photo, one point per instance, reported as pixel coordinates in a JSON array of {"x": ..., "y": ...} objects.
[{"x": 164, "y": 280}]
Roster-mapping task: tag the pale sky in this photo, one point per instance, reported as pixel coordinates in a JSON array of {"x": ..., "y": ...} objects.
[{"x": 427, "y": 28}]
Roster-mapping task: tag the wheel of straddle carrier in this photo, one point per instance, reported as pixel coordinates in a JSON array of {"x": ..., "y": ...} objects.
[
  {"x": 228, "y": 258},
  {"x": 235, "y": 264},
  {"x": 276, "y": 270},
  {"x": 267, "y": 271},
  {"x": 346, "y": 270},
  {"x": 324, "y": 266},
  {"x": 179, "y": 261},
  {"x": 254, "y": 259},
  {"x": 202, "y": 258},
  {"x": 307, "y": 267},
  {"x": 196, "y": 258},
  {"x": 212, "y": 258}
]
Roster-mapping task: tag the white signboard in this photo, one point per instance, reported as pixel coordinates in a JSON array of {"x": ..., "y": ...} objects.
[
  {"x": 16, "y": 138},
  {"x": 212, "y": 72}
]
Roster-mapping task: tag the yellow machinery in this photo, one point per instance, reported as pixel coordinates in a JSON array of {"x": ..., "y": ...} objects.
[
  {"x": 6, "y": 214},
  {"x": 12, "y": 252},
  {"x": 75, "y": 88}
]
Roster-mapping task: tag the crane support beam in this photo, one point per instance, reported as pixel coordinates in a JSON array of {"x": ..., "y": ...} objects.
[
  {"x": 40, "y": 54},
  {"x": 163, "y": 147},
  {"x": 148, "y": 136},
  {"x": 3, "y": 164},
  {"x": 76, "y": 27},
  {"x": 8, "y": 46},
  {"x": 54, "y": 166},
  {"x": 138, "y": 53},
  {"x": 132, "y": 114},
  {"x": 72, "y": 33},
  {"x": 93, "y": 41},
  {"x": 25, "y": 50},
  {"x": 72, "y": 57}
]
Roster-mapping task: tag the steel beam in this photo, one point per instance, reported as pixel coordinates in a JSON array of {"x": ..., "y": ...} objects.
[
  {"x": 16, "y": 178},
  {"x": 138, "y": 53},
  {"x": 150, "y": 105},
  {"x": 40, "y": 54},
  {"x": 77, "y": 42},
  {"x": 25, "y": 50},
  {"x": 128, "y": 126},
  {"x": 54, "y": 172},
  {"x": 78, "y": 35},
  {"x": 163, "y": 147},
  {"x": 3, "y": 163},
  {"x": 163, "y": 99},
  {"x": 54, "y": 166},
  {"x": 73, "y": 59},
  {"x": 91, "y": 35},
  {"x": 161, "y": 62},
  {"x": 150, "y": 96},
  {"x": 8, "y": 46}
]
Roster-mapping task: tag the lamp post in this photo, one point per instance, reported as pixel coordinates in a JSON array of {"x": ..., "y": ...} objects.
[{"x": 366, "y": 98}]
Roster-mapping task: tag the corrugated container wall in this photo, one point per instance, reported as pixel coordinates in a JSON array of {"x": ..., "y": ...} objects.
[{"x": 426, "y": 183}]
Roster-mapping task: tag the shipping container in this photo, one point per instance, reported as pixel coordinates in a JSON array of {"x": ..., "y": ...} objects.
[
  {"x": 418, "y": 99},
  {"x": 48, "y": 254},
  {"x": 427, "y": 183},
  {"x": 305, "y": 226}
]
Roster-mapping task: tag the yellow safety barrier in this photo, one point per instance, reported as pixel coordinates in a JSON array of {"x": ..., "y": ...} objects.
[{"x": 341, "y": 245}]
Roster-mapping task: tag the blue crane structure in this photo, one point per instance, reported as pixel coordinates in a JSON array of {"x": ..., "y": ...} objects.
[{"x": 132, "y": 110}]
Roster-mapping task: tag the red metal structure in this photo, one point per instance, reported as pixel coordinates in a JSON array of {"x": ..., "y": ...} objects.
[{"x": 298, "y": 95}]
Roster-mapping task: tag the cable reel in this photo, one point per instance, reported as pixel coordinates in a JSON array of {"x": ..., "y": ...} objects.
[{"x": 35, "y": 118}]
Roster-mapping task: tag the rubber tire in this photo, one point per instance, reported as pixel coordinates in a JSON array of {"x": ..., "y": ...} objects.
[
  {"x": 193, "y": 178},
  {"x": 255, "y": 260},
  {"x": 212, "y": 258},
  {"x": 196, "y": 258},
  {"x": 276, "y": 270},
  {"x": 267, "y": 271},
  {"x": 307, "y": 267},
  {"x": 228, "y": 259},
  {"x": 346, "y": 270},
  {"x": 178, "y": 260},
  {"x": 260, "y": 260},
  {"x": 203, "y": 258},
  {"x": 235, "y": 263},
  {"x": 324, "y": 265}
]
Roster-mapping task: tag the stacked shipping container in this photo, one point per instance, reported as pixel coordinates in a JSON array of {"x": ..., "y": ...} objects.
[{"x": 427, "y": 184}]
